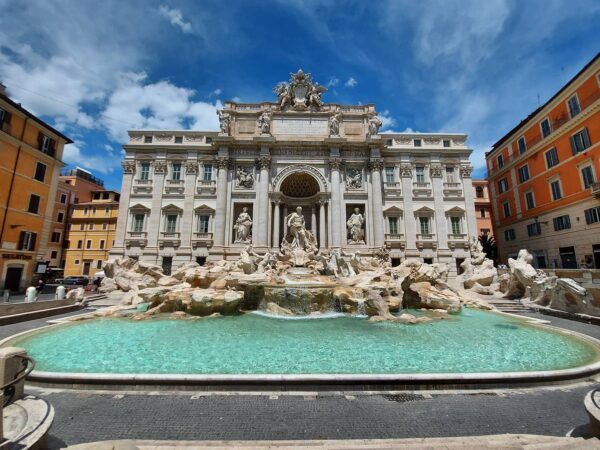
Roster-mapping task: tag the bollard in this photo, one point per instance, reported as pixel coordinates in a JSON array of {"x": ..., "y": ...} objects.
[
  {"x": 7, "y": 295},
  {"x": 30, "y": 294},
  {"x": 60, "y": 293}
]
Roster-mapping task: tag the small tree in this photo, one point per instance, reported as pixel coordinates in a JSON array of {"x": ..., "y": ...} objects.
[{"x": 489, "y": 245}]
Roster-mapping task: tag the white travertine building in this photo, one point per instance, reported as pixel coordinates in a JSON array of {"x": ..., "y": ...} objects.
[{"x": 193, "y": 195}]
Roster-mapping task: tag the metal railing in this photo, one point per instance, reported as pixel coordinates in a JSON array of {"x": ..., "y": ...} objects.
[{"x": 9, "y": 388}]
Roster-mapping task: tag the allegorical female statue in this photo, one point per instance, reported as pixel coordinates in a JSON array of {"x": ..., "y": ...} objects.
[
  {"x": 243, "y": 227},
  {"x": 356, "y": 234}
]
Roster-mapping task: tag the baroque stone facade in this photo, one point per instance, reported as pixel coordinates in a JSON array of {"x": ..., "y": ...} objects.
[{"x": 184, "y": 191}]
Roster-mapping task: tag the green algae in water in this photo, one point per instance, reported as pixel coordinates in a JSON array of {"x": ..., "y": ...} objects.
[{"x": 474, "y": 341}]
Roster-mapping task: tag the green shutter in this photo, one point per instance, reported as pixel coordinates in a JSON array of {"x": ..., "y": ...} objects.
[
  {"x": 573, "y": 145},
  {"x": 21, "y": 240},
  {"x": 586, "y": 138},
  {"x": 32, "y": 241}
]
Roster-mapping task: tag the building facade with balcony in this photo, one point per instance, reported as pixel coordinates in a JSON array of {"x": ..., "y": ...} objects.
[
  {"x": 543, "y": 177},
  {"x": 30, "y": 163},
  {"x": 192, "y": 195},
  {"x": 91, "y": 233}
]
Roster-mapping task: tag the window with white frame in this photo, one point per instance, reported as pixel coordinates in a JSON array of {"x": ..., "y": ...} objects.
[
  {"x": 509, "y": 235},
  {"x": 102, "y": 242},
  {"x": 207, "y": 172},
  {"x": 450, "y": 178},
  {"x": 592, "y": 215},
  {"x": 424, "y": 225},
  {"x": 203, "y": 223},
  {"x": 523, "y": 173},
  {"x": 500, "y": 160},
  {"x": 551, "y": 157},
  {"x": 562, "y": 223},
  {"x": 522, "y": 145},
  {"x": 389, "y": 175},
  {"x": 60, "y": 216},
  {"x": 556, "y": 190},
  {"x": 63, "y": 198},
  {"x": 138, "y": 222},
  {"x": 479, "y": 192},
  {"x": 171, "y": 223},
  {"x": 534, "y": 229},
  {"x": 574, "y": 107},
  {"x": 503, "y": 185},
  {"x": 529, "y": 200},
  {"x": 145, "y": 171},
  {"x": 456, "y": 224},
  {"x": 545, "y": 127},
  {"x": 393, "y": 225},
  {"x": 506, "y": 209},
  {"x": 176, "y": 172},
  {"x": 587, "y": 176},
  {"x": 580, "y": 141},
  {"x": 420, "y": 174}
]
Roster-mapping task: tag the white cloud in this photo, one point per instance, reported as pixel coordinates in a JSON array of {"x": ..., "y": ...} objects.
[
  {"x": 215, "y": 93},
  {"x": 333, "y": 81},
  {"x": 176, "y": 18},
  {"x": 387, "y": 121},
  {"x": 351, "y": 82},
  {"x": 93, "y": 161}
]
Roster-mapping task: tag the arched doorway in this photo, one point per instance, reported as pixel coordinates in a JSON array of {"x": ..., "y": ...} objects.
[{"x": 299, "y": 188}]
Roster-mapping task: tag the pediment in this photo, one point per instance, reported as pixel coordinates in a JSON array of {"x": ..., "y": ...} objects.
[
  {"x": 172, "y": 208},
  {"x": 203, "y": 208},
  {"x": 393, "y": 210},
  {"x": 455, "y": 210},
  {"x": 139, "y": 207},
  {"x": 424, "y": 210}
]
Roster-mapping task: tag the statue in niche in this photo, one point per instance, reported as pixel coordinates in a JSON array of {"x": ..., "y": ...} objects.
[
  {"x": 245, "y": 179},
  {"x": 374, "y": 125},
  {"x": 298, "y": 244},
  {"x": 334, "y": 124},
  {"x": 354, "y": 178},
  {"x": 243, "y": 227},
  {"x": 224, "y": 122},
  {"x": 264, "y": 122},
  {"x": 356, "y": 234}
]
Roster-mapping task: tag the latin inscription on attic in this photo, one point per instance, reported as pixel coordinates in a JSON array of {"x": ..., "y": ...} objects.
[{"x": 299, "y": 127}]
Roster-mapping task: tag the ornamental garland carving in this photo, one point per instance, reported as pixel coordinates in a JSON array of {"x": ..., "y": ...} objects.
[
  {"x": 163, "y": 137},
  {"x": 432, "y": 141},
  {"x": 403, "y": 141},
  {"x": 128, "y": 166},
  {"x": 406, "y": 170},
  {"x": 135, "y": 138},
  {"x": 436, "y": 171},
  {"x": 465, "y": 171},
  {"x": 191, "y": 167},
  {"x": 194, "y": 138},
  {"x": 160, "y": 167}
]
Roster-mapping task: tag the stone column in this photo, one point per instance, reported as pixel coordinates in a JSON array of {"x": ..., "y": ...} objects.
[
  {"x": 441, "y": 222},
  {"x": 121, "y": 232},
  {"x": 377, "y": 202},
  {"x": 187, "y": 220},
  {"x": 276, "y": 220},
  {"x": 285, "y": 214},
  {"x": 322, "y": 240},
  {"x": 262, "y": 217},
  {"x": 410, "y": 223},
  {"x": 471, "y": 219},
  {"x": 336, "y": 200},
  {"x": 153, "y": 228},
  {"x": 222, "y": 177},
  {"x": 313, "y": 220}
]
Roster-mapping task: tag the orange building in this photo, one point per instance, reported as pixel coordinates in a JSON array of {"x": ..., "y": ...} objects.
[
  {"x": 30, "y": 163},
  {"x": 65, "y": 196},
  {"x": 83, "y": 183},
  {"x": 543, "y": 178},
  {"x": 483, "y": 207}
]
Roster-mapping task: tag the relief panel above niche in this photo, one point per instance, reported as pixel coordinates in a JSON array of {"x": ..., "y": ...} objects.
[{"x": 246, "y": 126}]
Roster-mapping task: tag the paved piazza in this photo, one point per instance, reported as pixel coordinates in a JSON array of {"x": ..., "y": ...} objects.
[{"x": 85, "y": 416}]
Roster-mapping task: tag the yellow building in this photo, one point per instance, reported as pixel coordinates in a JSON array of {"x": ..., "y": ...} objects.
[
  {"x": 30, "y": 163},
  {"x": 91, "y": 233}
]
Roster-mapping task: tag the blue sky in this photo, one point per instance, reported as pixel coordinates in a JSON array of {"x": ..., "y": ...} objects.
[{"x": 96, "y": 69}]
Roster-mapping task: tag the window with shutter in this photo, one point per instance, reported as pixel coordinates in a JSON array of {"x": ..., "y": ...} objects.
[
  {"x": 40, "y": 172},
  {"x": 34, "y": 204},
  {"x": 580, "y": 141}
]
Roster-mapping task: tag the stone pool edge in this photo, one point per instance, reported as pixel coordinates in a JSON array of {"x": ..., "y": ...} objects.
[{"x": 387, "y": 381}]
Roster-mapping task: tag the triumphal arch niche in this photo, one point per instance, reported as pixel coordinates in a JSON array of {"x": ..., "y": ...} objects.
[{"x": 322, "y": 157}]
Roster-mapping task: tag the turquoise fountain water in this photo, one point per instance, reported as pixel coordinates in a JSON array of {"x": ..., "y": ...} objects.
[{"x": 474, "y": 341}]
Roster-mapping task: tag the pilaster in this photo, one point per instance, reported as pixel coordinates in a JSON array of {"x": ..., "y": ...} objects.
[
  {"x": 153, "y": 228},
  {"x": 410, "y": 223},
  {"x": 187, "y": 220},
  {"x": 441, "y": 222},
  {"x": 376, "y": 165},
  {"x": 121, "y": 232}
]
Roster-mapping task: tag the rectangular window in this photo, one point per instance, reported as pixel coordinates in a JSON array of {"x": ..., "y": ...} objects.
[
  {"x": 389, "y": 174},
  {"x": 545, "y": 126},
  {"x": 91, "y": 226},
  {"x": 99, "y": 264},
  {"x": 55, "y": 237},
  {"x": 171, "y": 223},
  {"x": 4, "y": 117},
  {"x": 60, "y": 217},
  {"x": 27, "y": 241},
  {"x": 562, "y": 223},
  {"x": 574, "y": 107},
  {"x": 40, "y": 172},
  {"x": 551, "y": 157},
  {"x": 46, "y": 144},
  {"x": 509, "y": 235},
  {"x": 587, "y": 173},
  {"x": 446, "y": 142},
  {"x": 144, "y": 171},
  {"x": 88, "y": 244},
  {"x": 176, "y": 176},
  {"x": 393, "y": 222},
  {"x": 147, "y": 139},
  {"x": 85, "y": 210},
  {"x": 179, "y": 139},
  {"x": 534, "y": 229},
  {"x": 207, "y": 173},
  {"x": 503, "y": 185},
  {"x": 529, "y": 200},
  {"x": 523, "y": 173},
  {"x": 420, "y": 171},
  {"x": 450, "y": 175},
  {"x": 592, "y": 215},
  {"x": 81, "y": 226},
  {"x": 580, "y": 141},
  {"x": 105, "y": 226},
  {"x": 424, "y": 225},
  {"x": 556, "y": 190},
  {"x": 203, "y": 224},
  {"x": 94, "y": 210},
  {"x": 417, "y": 142},
  {"x": 506, "y": 208},
  {"x": 455, "y": 222},
  {"x": 500, "y": 161},
  {"x": 106, "y": 210},
  {"x": 482, "y": 212},
  {"x": 34, "y": 204},
  {"x": 138, "y": 223},
  {"x": 76, "y": 262},
  {"x": 522, "y": 145},
  {"x": 79, "y": 244},
  {"x": 101, "y": 244},
  {"x": 167, "y": 264},
  {"x": 63, "y": 198},
  {"x": 53, "y": 254}
]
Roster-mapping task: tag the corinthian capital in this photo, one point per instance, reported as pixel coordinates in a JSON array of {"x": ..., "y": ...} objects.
[
  {"x": 264, "y": 162},
  {"x": 376, "y": 164},
  {"x": 406, "y": 170},
  {"x": 223, "y": 162},
  {"x": 159, "y": 166},
  {"x": 128, "y": 166},
  {"x": 191, "y": 167},
  {"x": 435, "y": 170},
  {"x": 465, "y": 171},
  {"x": 335, "y": 163}
]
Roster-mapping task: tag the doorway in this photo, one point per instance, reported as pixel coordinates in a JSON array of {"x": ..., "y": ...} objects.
[
  {"x": 86, "y": 267},
  {"x": 596, "y": 251},
  {"x": 12, "y": 282},
  {"x": 567, "y": 257}
]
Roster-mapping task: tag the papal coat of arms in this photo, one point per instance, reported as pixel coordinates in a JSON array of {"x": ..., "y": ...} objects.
[{"x": 300, "y": 93}]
